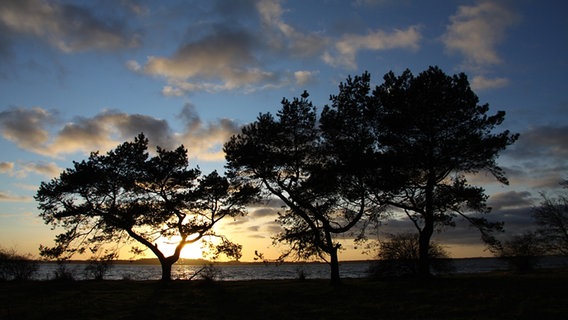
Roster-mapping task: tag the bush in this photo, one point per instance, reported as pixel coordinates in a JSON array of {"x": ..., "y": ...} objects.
[
  {"x": 209, "y": 273},
  {"x": 63, "y": 273},
  {"x": 522, "y": 252},
  {"x": 100, "y": 266},
  {"x": 398, "y": 256},
  {"x": 14, "y": 266}
]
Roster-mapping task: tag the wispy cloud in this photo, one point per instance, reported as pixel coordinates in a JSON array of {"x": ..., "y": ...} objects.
[
  {"x": 282, "y": 36},
  {"x": 482, "y": 82},
  {"x": 67, "y": 27},
  {"x": 48, "y": 170},
  {"x": 9, "y": 197},
  {"x": 346, "y": 49},
  {"x": 6, "y": 167}
]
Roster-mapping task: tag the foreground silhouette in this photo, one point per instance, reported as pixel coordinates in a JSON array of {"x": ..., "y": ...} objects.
[{"x": 128, "y": 195}]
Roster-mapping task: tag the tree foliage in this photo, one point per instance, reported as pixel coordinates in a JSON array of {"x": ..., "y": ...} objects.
[
  {"x": 430, "y": 132},
  {"x": 128, "y": 195},
  {"x": 408, "y": 144},
  {"x": 287, "y": 156}
]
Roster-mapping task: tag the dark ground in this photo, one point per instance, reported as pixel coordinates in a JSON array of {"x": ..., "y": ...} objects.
[{"x": 542, "y": 295}]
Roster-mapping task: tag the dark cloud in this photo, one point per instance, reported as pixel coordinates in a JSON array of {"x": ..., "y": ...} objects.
[
  {"x": 26, "y": 127},
  {"x": 511, "y": 199},
  {"x": 543, "y": 142},
  {"x": 539, "y": 159},
  {"x": 264, "y": 212},
  {"x": 205, "y": 139}
]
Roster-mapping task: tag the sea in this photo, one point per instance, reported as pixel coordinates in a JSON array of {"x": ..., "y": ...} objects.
[{"x": 268, "y": 271}]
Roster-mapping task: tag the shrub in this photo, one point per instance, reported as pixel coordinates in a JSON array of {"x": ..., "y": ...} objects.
[
  {"x": 14, "y": 266},
  {"x": 100, "y": 266},
  {"x": 209, "y": 273},
  {"x": 63, "y": 273},
  {"x": 522, "y": 252},
  {"x": 398, "y": 256}
]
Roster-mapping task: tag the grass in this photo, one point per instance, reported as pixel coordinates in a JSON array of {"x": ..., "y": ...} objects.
[{"x": 542, "y": 295}]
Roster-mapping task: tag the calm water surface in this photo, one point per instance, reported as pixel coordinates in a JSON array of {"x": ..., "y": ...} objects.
[{"x": 271, "y": 271}]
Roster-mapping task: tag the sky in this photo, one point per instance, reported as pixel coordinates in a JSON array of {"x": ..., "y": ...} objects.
[{"x": 82, "y": 76}]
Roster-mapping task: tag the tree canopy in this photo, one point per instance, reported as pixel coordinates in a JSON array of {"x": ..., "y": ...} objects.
[
  {"x": 127, "y": 195},
  {"x": 286, "y": 156},
  {"x": 432, "y": 132},
  {"x": 408, "y": 144}
]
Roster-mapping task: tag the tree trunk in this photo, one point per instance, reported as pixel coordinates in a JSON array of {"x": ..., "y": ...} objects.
[
  {"x": 334, "y": 264},
  {"x": 427, "y": 231},
  {"x": 166, "y": 270},
  {"x": 423, "y": 251}
]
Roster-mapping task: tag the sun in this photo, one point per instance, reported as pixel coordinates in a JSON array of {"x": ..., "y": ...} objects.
[
  {"x": 189, "y": 251},
  {"x": 192, "y": 251}
]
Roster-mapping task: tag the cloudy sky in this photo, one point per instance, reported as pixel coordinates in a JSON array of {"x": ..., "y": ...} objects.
[{"x": 80, "y": 76}]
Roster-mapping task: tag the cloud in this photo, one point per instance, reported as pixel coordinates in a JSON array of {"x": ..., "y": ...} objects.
[
  {"x": 475, "y": 32},
  {"x": 6, "y": 167},
  {"x": 304, "y": 77},
  {"x": 67, "y": 27},
  {"x": 205, "y": 140},
  {"x": 104, "y": 131},
  {"x": 282, "y": 36},
  {"x": 539, "y": 157},
  {"x": 510, "y": 200},
  {"x": 541, "y": 142},
  {"x": 28, "y": 128},
  {"x": 49, "y": 170},
  {"x": 230, "y": 50},
  {"x": 264, "y": 212},
  {"x": 9, "y": 197},
  {"x": 347, "y": 48},
  {"x": 483, "y": 83},
  {"x": 222, "y": 60}
]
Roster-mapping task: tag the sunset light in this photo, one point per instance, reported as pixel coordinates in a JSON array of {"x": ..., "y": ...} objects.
[{"x": 79, "y": 77}]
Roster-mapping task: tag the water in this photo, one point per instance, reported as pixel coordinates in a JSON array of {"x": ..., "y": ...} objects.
[
  {"x": 244, "y": 272},
  {"x": 224, "y": 271}
]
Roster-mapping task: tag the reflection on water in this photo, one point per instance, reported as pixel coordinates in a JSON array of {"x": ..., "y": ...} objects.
[{"x": 272, "y": 272}]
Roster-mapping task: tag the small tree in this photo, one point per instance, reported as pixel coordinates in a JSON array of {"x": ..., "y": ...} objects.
[
  {"x": 522, "y": 251},
  {"x": 398, "y": 256},
  {"x": 126, "y": 196},
  {"x": 552, "y": 218}
]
